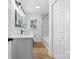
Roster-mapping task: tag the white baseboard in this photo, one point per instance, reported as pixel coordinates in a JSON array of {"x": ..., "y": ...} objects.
[{"x": 51, "y": 55}]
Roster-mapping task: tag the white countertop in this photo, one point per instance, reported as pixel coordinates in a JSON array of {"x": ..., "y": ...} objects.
[{"x": 21, "y": 36}]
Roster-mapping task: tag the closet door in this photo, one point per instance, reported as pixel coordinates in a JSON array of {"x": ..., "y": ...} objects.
[
  {"x": 58, "y": 30},
  {"x": 61, "y": 29}
]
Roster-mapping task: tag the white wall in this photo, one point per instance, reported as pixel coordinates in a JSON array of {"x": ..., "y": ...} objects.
[
  {"x": 45, "y": 26},
  {"x": 50, "y": 31},
  {"x": 11, "y": 20},
  {"x": 12, "y": 30},
  {"x": 9, "y": 17},
  {"x": 45, "y": 31},
  {"x": 36, "y": 32}
]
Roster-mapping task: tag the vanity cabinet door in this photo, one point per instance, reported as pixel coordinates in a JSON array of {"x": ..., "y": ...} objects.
[
  {"x": 9, "y": 50},
  {"x": 22, "y": 48}
]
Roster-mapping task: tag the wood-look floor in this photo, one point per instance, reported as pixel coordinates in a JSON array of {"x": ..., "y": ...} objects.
[{"x": 40, "y": 52}]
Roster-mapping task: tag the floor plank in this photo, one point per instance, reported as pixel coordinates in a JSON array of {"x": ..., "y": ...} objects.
[
  {"x": 40, "y": 52},
  {"x": 38, "y": 45}
]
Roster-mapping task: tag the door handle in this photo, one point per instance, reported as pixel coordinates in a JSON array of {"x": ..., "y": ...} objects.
[{"x": 10, "y": 39}]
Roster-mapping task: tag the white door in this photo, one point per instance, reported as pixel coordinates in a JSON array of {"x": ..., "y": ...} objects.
[{"x": 60, "y": 30}]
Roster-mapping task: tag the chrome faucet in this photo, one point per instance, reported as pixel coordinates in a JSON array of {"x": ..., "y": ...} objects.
[{"x": 22, "y": 32}]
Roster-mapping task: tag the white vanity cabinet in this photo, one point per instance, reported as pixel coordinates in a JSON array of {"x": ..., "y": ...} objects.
[{"x": 21, "y": 48}]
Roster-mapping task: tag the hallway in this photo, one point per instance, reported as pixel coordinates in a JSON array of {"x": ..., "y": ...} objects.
[{"x": 40, "y": 52}]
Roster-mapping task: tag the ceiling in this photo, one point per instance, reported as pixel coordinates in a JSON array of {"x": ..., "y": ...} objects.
[{"x": 29, "y": 6}]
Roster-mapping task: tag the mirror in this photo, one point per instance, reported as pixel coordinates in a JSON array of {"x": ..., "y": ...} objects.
[{"x": 18, "y": 19}]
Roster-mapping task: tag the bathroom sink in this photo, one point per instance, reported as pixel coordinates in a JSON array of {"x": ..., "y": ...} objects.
[{"x": 30, "y": 35}]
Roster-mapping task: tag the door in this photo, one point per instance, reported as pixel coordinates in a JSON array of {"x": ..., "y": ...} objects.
[
  {"x": 58, "y": 29},
  {"x": 22, "y": 48},
  {"x": 9, "y": 49}
]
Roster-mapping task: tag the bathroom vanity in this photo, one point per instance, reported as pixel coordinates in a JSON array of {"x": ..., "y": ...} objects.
[
  {"x": 21, "y": 47},
  {"x": 19, "y": 43}
]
